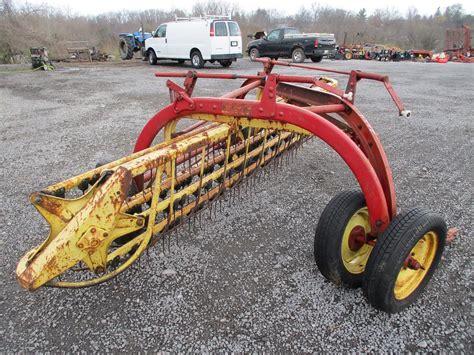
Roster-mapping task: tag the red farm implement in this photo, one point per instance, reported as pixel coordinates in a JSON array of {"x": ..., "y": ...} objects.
[
  {"x": 459, "y": 44},
  {"x": 103, "y": 220}
]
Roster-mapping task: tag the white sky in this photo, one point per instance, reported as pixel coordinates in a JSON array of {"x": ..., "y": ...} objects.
[{"x": 93, "y": 7}]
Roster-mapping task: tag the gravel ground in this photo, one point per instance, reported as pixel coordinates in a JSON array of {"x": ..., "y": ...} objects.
[{"x": 247, "y": 280}]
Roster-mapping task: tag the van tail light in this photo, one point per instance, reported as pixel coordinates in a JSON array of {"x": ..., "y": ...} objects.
[
  {"x": 211, "y": 30},
  {"x": 316, "y": 43}
]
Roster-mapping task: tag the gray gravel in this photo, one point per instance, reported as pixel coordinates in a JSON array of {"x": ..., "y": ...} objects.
[{"x": 247, "y": 280}]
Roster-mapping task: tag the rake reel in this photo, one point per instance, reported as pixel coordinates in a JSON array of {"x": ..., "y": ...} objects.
[{"x": 103, "y": 220}]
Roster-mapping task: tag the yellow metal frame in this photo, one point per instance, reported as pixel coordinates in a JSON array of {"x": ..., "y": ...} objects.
[{"x": 83, "y": 229}]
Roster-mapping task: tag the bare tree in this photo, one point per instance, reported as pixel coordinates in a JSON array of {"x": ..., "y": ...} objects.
[{"x": 24, "y": 26}]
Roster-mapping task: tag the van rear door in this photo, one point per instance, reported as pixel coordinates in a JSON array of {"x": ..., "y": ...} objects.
[
  {"x": 235, "y": 38},
  {"x": 220, "y": 38}
]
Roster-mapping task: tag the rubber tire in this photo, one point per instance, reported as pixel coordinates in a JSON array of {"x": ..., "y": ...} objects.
[
  {"x": 256, "y": 54},
  {"x": 296, "y": 50},
  {"x": 329, "y": 234},
  {"x": 316, "y": 59},
  {"x": 348, "y": 56},
  {"x": 201, "y": 61},
  {"x": 225, "y": 63},
  {"x": 125, "y": 48},
  {"x": 391, "y": 250},
  {"x": 152, "y": 60}
]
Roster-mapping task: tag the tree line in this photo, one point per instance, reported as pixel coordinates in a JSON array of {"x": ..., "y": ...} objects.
[{"x": 23, "y": 25}]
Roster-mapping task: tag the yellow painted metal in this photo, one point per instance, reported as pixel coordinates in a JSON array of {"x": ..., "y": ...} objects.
[
  {"x": 253, "y": 123},
  {"x": 408, "y": 279},
  {"x": 83, "y": 229},
  {"x": 168, "y": 131},
  {"x": 86, "y": 236},
  {"x": 143, "y": 243},
  {"x": 355, "y": 260},
  {"x": 143, "y": 197},
  {"x": 331, "y": 81},
  {"x": 74, "y": 181}
]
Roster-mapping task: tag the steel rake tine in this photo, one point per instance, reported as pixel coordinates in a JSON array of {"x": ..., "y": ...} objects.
[
  {"x": 177, "y": 238},
  {"x": 163, "y": 243}
]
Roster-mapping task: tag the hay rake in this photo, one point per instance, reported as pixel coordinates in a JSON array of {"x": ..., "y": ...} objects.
[{"x": 103, "y": 220}]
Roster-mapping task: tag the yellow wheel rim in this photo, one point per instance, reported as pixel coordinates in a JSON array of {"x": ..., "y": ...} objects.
[
  {"x": 355, "y": 260},
  {"x": 409, "y": 279}
]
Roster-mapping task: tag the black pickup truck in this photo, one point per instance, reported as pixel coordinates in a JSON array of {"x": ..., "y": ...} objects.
[{"x": 291, "y": 43}]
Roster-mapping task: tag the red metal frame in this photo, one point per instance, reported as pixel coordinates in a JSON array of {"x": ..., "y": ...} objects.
[
  {"x": 458, "y": 40},
  {"x": 360, "y": 149}
]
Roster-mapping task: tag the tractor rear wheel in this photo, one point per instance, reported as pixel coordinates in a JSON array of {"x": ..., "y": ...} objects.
[
  {"x": 126, "y": 48},
  {"x": 340, "y": 247},
  {"x": 348, "y": 55}
]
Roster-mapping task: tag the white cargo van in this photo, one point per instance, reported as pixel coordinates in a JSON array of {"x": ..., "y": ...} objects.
[{"x": 208, "y": 38}]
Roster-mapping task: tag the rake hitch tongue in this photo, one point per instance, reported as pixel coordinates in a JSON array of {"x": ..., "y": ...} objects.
[{"x": 103, "y": 220}]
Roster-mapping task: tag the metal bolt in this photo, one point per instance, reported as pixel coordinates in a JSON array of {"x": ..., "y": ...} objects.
[
  {"x": 139, "y": 222},
  {"x": 261, "y": 109},
  {"x": 92, "y": 230},
  {"x": 38, "y": 199}
]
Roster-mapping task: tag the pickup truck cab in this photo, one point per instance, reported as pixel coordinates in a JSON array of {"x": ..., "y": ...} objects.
[{"x": 291, "y": 43}]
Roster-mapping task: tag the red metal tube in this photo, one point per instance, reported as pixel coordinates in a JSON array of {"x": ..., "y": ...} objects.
[
  {"x": 205, "y": 75},
  {"x": 244, "y": 89},
  {"x": 326, "y": 108},
  {"x": 297, "y": 79},
  {"x": 289, "y": 64}
]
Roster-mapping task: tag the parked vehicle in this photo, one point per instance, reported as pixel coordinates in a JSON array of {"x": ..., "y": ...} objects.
[
  {"x": 130, "y": 43},
  {"x": 202, "y": 39},
  {"x": 291, "y": 43}
]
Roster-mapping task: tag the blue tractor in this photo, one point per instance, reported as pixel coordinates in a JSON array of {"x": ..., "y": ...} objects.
[{"x": 130, "y": 43}]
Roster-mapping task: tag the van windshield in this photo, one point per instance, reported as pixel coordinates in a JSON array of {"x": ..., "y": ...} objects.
[{"x": 234, "y": 29}]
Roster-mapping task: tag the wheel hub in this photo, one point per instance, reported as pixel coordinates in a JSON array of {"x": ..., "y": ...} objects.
[
  {"x": 416, "y": 266},
  {"x": 357, "y": 238}
]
